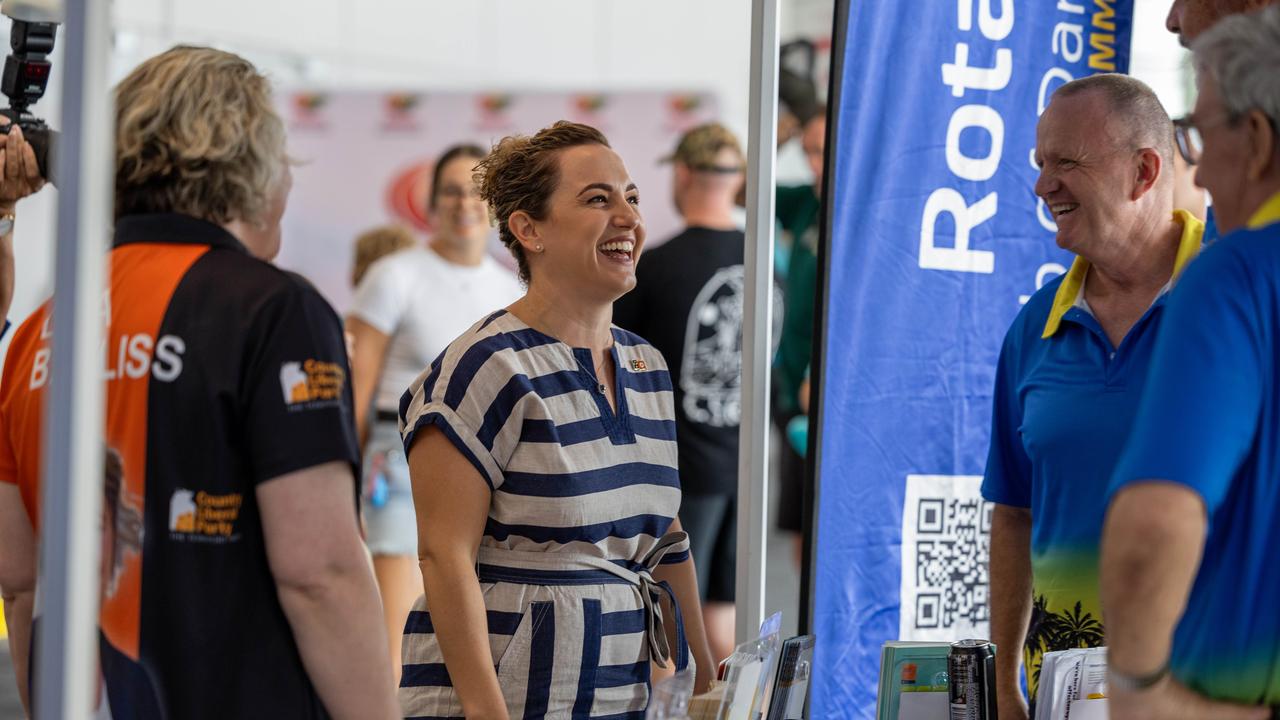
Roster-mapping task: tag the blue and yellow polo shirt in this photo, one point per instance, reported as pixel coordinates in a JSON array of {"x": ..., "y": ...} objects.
[
  {"x": 1219, "y": 435},
  {"x": 1065, "y": 398}
]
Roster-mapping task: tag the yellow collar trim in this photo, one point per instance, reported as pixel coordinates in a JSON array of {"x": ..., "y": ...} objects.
[
  {"x": 1069, "y": 290},
  {"x": 1267, "y": 214}
]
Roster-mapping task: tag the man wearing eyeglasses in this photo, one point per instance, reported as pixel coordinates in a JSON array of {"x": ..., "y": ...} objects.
[
  {"x": 1189, "y": 579},
  {"x": 1072, "y": 367},
  {"x": 1187, "y": 19}
]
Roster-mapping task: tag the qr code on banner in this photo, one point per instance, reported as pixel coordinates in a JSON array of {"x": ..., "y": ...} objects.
[{"x": 946, "y": 543}]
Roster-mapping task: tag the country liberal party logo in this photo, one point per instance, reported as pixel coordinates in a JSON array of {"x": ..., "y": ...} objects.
[
  {"x": 310, "y": 384},
  {"x": 204, "y": 517}
]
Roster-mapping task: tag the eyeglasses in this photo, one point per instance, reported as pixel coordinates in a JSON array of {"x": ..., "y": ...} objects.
[
  {"x": 1187, "y": 136},
  {"x": 455, "y": 192}
]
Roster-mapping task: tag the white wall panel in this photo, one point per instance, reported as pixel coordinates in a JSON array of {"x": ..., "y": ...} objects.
[{"x": 489, "y": 44}]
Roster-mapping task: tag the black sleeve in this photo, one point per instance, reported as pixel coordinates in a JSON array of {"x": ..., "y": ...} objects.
[{"x": 298, "y": 403}]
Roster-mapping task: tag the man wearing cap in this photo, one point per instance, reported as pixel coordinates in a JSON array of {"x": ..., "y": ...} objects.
[
  {"x": 1072, "y": 367},
  {"x": 1189, "y": 581},
  {"x": 688, "y": 303}
]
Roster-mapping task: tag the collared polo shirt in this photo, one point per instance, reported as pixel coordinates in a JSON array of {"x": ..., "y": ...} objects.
[
  {"x": 222, "y": 373},
  {"x": 1218, "y": 434},
  {"x": 1064, "y": 402}
]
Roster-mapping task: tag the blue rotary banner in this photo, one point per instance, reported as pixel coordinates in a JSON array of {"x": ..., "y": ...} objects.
[{"x": 936, "y": 240}]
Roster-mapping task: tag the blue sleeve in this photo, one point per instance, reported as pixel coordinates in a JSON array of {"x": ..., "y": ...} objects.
[
  {"x": 1200, "y": 407},
  {"x": 1008, "y": 476},
  {"x": 4, "y": 331}
]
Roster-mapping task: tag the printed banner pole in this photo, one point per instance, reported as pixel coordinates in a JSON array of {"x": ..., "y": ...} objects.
[
  {"x": 812, "y": 486},
  {"x": 67, "y": 651},
  {"x": 936, "y": 239},
  {"x": 753, "y": 452}
]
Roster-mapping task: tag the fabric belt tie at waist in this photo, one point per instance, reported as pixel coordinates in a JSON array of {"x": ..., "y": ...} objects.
[{"x": 651, "y": 590}]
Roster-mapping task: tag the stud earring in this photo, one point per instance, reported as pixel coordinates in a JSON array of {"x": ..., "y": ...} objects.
[{"x": 538, "y": 248}]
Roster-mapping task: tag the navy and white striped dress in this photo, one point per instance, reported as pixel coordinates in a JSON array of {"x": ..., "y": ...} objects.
[{"x": 582, "y": 500}]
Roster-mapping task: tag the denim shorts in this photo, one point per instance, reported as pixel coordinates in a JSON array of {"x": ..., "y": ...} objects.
[{"x": 391, "y": 527}]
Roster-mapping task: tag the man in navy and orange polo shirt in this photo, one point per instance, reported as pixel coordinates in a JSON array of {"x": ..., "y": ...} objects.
[
  {"x": 234, "y": 580},
  {"x": 1073, "y": 363}
]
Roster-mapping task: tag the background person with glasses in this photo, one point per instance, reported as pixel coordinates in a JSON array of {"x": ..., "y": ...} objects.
[
  {"x": 1188, "y": 576},
  {"x": 407, "y": 308}
]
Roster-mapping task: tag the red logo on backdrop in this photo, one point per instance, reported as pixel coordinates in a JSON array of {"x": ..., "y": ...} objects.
[
  {"x": 588, "y": 109},
  {"x": 683, "y": 111},
  {"x": 400, "y": 114},
  {"x": 407, "y": 195},
  {"x": 590, "y": 104},
  {"x": 308, "y": 111},
  {"x": 493, "y": 111}
]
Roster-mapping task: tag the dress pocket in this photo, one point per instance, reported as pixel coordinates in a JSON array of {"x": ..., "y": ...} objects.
[{"x": 525, "y": 668}]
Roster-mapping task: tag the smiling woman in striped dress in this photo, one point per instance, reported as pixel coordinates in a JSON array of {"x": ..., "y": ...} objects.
[{"x": 542, "y": 450}]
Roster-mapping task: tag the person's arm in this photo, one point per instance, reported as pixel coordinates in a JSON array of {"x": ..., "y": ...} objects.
[
  {"x": 21, "y": 177},
  {"x": 1196, "y": 424},
  {"x": 795, "y": 349},
  {"x": 452, "y": 503},
  {"x": 17, "y": 581},
  {"x": 683, "y": 578},
  {"x": 1010, "y": 602},
  {"x": 1151, "y": 547},
  {"x": 1007, "y": 484},
  {"x": 6, "y": 263},
  {"x": 327, "y": 590},
  {"x": 370, "y": 352}
]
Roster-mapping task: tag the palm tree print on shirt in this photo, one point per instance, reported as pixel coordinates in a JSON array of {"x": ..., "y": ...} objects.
[{"x": 1050, "y": 631}]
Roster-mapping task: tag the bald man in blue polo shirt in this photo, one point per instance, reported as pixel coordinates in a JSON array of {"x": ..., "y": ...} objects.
[{"x": 1073, "y": 364}]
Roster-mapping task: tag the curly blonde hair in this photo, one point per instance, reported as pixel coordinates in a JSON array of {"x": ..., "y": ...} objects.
[
  {"x": 196, "y": 134},
  {"x": 372, "y": 245},
  {"x": 522, "y": 171}
]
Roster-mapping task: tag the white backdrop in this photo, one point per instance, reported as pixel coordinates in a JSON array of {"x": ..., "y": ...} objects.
[
  {"x": 366, "y": 159},
  {"x": 469, "y": 45}
]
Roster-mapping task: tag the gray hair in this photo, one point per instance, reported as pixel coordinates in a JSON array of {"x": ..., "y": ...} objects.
[
  {"x": 1242, "y": 55},
  {"x": 1133, "y": 103}
]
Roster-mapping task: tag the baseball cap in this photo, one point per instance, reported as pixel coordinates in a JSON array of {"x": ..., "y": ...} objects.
[{"x": 700, "y": 149}]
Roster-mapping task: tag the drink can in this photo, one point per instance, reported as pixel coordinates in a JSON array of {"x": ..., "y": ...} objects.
[{"x": 971, "y": 669}]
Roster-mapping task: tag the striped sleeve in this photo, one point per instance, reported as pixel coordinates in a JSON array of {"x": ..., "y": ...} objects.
[{"x": 465, "y": 394}]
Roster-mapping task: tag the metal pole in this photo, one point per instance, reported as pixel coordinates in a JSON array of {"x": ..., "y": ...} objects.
[
  {"x": 73, "y": 447},
  {"x": 753, "y": 451}
]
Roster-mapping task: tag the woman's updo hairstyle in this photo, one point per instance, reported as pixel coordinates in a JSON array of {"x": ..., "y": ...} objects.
[{"x": 522, "y": 171}]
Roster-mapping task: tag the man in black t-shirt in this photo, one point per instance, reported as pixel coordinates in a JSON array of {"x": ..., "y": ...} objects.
[{"x": 688, "y": 303}]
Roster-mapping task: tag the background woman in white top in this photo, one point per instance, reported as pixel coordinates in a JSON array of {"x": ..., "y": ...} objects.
[{"x": 407, "y": 308}]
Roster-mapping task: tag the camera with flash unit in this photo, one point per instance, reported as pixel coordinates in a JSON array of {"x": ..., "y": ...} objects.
[{"x": 26, "y": 74}]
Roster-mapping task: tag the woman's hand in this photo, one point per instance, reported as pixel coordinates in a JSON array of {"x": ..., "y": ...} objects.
[
  {"x": 704, "y": 678},
  {"x": 684, "y": 583}
]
